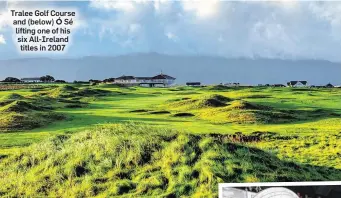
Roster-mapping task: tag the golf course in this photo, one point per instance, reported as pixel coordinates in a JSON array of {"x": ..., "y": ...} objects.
[{"x": 77, "y": 140}]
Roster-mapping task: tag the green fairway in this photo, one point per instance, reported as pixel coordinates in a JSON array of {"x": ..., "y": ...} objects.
[{"x": 301, "y": 126}]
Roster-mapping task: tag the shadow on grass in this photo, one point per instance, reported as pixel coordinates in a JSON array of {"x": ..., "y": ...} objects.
[
  {"x": 311, "y": 114},
  {"x": 269, "y": 168},
  {"x": 77, "y": 121}
]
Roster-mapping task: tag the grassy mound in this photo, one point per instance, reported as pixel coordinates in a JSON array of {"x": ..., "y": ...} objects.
[
  {"x": 240, "y": 104},
  {"x": 218, "y": 88},
  {"x": 242, "y": 112},
  {"x": 19, "y": 106},
  {"x": 60, "y": 92},
  {"x": 208, "y": 101},
  {"x": 87, "y": 92},
  {"x": 218, "y": 97},
  {"x": 70, "y": 92},
  {"x": 22, "y": 115},
  {"x": 12, "y": 96},
  {"x": 13, "y": 121},
  {"x": 258, "y": 117},
  {"x": 8, "y": 99},
  {"x": 68, "y": 88},
  {"x": 138, "y": 161}
]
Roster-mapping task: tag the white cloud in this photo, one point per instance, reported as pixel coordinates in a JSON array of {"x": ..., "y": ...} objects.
[
  {"x": 171, "y": 36},
  {"x": 134, "y": 28},
  {"x": 202, "y": 9},
  {"x": 116, "y": 5},
  {"x": 2, "y": 39},
  {"x": 285, "y": 28},
  {"x": 3, "y": 15},
  {"x": 3, "y": 21},
  {"x": 124, "y": 5},
  {"x": 271, "y": 29}
]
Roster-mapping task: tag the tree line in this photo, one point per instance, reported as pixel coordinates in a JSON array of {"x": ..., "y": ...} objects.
[{"x": 44, "y": 79}]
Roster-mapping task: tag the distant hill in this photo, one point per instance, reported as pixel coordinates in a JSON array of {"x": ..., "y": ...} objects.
[{"x": 185, "y": 68}]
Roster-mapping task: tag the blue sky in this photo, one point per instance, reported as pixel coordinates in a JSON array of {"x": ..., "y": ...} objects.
[{"x": 269, "y": 29}]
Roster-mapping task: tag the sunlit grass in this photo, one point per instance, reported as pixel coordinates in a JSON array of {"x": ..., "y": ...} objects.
[{"x": 137, "y": 160}]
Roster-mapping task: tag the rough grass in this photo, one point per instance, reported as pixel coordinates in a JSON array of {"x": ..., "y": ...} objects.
[
  {"x": 9, "y": 98},
  {"x": 25, "y": 115},
  {"x": 257, "y": 117},
  {"x": 60, "y": 92},
  {"x": 201, "y": 102},
  {"x": 242, "y": 112},
  {"x": 137, "y": 161},
  {"x": 12, "y": 121},
  {"x": 70, "y": 91},
  {"x": 218, "y": 88},
  {"x": 87, "y": 92},
  {"x": 12, "y": 96},
  {"x": 243, "y": 105},
  {"x": 19, "y": 106},
  {"x": 236, "y": 107}
]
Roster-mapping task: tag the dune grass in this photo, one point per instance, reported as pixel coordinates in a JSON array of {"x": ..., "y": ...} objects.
[
  {"x": 20, "y": 113},
  {"x": 136, "y": 160},
  {"x": 183, "y": 145}
]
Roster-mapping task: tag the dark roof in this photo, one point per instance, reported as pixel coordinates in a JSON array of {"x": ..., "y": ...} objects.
[
  {"x": 292, "y": 82},
  {"x": 143, "y": 78},
  {"x": 125, "y": 78},
  {"x": 193, "y": 83},
  {"x": 160, "y": 76},
  {"x": 36, "y": 78},
  {"x": 295, "y": 82},
  {"x": 163, "y": 76},
  {"x": 329, "y": 85}
]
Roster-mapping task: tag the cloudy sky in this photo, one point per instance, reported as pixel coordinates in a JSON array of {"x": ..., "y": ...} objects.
[{"x": 269, "y": 29}]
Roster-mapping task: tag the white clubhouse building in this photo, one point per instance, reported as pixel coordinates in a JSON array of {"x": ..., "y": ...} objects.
[{"x": 161, "y": 80}]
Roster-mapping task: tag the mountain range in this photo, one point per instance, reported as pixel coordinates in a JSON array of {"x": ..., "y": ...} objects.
[{"x": 205, "y": 69}]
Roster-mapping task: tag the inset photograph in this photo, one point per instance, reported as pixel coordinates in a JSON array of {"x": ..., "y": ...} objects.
[{"x": 281, "y": 190}]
